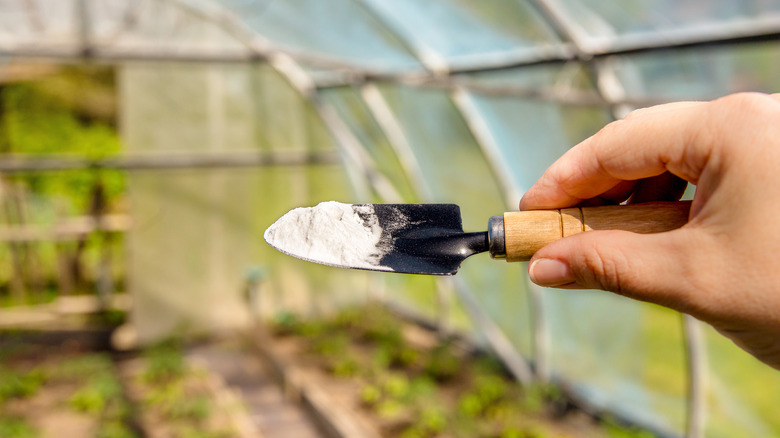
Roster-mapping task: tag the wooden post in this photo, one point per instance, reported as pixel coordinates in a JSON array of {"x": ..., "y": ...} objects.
[{"x": 17, "y": 288}]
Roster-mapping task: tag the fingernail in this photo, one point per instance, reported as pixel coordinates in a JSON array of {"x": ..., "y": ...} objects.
[{"x": 550, "y": 272}]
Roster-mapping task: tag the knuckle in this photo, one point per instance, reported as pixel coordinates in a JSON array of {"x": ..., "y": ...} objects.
[
  {"x": 635, "y": 113},
  {"x": 612, "y": 128},
  {"x": 745, "y": 101},
  {"x": 604, "y": 269}
]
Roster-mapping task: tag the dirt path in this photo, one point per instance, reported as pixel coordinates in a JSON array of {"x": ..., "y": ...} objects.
[{"x": 270, "y": 412}]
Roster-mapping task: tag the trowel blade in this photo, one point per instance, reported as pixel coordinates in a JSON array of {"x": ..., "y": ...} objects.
[{"x": 406, "y": 238}]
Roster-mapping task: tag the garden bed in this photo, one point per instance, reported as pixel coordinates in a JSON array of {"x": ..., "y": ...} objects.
[
  {"x": 72, "y": 390},
  {"x": 397, "y": 380}
]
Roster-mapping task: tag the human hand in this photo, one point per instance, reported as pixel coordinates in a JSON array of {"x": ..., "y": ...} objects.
[{"x": 723, "y": 267}]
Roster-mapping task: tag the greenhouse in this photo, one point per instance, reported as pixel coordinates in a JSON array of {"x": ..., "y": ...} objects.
[{"x": 230, "y": 113}]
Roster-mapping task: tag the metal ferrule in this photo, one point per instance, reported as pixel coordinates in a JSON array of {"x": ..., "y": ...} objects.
[{"x": 496, "y": 244}]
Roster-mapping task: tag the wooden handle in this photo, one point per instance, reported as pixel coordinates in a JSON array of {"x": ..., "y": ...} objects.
[{"x": 525, "y": 232}]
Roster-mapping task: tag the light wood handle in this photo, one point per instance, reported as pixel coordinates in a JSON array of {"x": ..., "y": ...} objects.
[{"x": 525, "y": 232}]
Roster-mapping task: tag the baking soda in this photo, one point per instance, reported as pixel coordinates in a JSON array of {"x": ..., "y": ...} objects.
[{"x": 331, "y": 233}]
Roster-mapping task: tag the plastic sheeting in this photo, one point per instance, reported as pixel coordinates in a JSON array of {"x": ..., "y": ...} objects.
[{"x": 477, "y": 138}]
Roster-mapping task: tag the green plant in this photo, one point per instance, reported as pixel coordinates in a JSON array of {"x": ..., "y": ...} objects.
[
  {"x": 396, "y": 386},
  {"x": 470, "y": 405},
  {"x": 390, "y": 409},
  {"x": 186, "y": 431},
  {"x": 15, "y": 384},
  {"x": 430, "y": 422},
  {"x": 15, "y": 427},
  {"x": 490, "y": 388},
  {"x": 83, "y": 366},
  {"x": 442, "y": 363},
  {"x": 115, "y": 429},
  {"x": 196, "y": 408},
  {"x": 164, "y": 363},
  {"x": 100, "y": 390},
  {"x": 87, "y": 400},
  {"x": 403, "y": 356},
  {"x": 332, "y": 346},
  {"x": 370, "y": 394},
  {"x": 285, "y": 323},
  {"x": 515, "y": 432},
  {"x": 616, "y": 430},
  {"x": 344, "y": 367},
  {"x": 536, "y": 397}
]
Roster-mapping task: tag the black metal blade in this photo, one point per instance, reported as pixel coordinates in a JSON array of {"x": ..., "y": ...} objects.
[{"x": 426, "y": 238}]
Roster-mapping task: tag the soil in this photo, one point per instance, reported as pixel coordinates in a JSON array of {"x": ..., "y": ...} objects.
[
  {"x": 516, "y": 413},
  {"x": 72, "y": 389}
]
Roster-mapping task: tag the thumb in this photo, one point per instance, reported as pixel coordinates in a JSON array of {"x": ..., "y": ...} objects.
[{"x": 648, "y": 267}]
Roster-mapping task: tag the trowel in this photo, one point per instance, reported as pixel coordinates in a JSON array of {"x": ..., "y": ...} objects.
[{"x": 429, "y": 238}]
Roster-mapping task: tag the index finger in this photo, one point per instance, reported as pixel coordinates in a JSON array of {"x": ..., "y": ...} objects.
[{"x": 647, "y": 143}]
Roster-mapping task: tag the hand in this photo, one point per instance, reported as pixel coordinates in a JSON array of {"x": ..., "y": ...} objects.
[{"x": 723, "y": 267}]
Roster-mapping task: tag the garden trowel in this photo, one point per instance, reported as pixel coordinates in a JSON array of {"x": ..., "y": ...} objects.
[{"x": 429, "y": 238}]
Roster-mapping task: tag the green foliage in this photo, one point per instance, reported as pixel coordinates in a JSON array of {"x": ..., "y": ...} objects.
[
  {"x": 617, "y": 430},
  {"x": 100, "y": 394},
  {"x": 515, "y": 432},
  {"x": 411, "y": 389},
  {"x": 344, "y": 367},
  {"x": 174, "y": 403},
  {"x": 389, "y": 409},
  {"x": 100, "y": 390},
  {"x": 35, "y": 122},
  {"x": 164, "y": 363},
  {"x": 14, "y": 427},
  {"x": 536, "y": 397},
  {"x": 370, "y": 394},
  {"x": 17, "y": 384},
  {"x": 470, "y": 405},
  {"x": 194, "y": 432},
  {"x": 331, "y": 344},
  {"x": 442, "y": 364},
  {"x": 396, "y": 386},
  {"x": 286, "y": 323},
  {"x": 196, "y": 408},
  {"x": 84, "y": 366},
  {"x": 115, "y": 429},
  {"x": 490, "y": 388}
]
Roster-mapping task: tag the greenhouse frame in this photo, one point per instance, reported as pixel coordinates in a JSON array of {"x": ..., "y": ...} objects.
[{"x": 232, "y": 112}]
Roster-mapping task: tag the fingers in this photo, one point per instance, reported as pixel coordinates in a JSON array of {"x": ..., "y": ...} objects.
[
  {"x": 622, "y": 262},
  {"x": 647, "y": 143}
]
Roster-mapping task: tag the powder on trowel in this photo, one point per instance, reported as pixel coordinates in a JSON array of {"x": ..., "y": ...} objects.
[{"x": 331, "y": 233}]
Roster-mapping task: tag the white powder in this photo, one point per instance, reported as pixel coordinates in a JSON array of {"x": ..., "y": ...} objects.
[{"x": 331, "y": 233}]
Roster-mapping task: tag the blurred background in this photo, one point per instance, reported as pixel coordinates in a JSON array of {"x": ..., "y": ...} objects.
[{"x": 145, "y": 145}]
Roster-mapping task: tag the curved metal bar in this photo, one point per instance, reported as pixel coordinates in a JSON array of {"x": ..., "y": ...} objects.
[
  {"x": 432, "y": 60},
  {"x": 167, "y": 161},
  {"x": 765, "y": 28},
  {"x": 350, "y": 145},
  {"x": 487, "y": 143},
  {"x": 513, "y": 360},
  {"x": 391, "y": 128},
  {"x": 696, "y": 352}
]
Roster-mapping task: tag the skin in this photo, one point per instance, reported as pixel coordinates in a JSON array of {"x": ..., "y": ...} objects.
[{"x": 723, "y": 267}]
